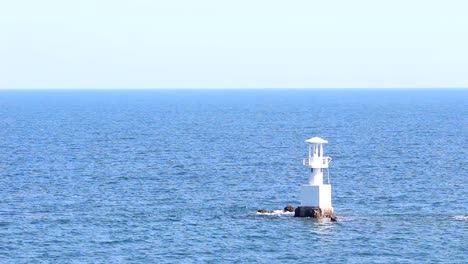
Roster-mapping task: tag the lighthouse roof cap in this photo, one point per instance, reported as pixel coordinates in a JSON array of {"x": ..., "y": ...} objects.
[{"x": 316, "y": 140}]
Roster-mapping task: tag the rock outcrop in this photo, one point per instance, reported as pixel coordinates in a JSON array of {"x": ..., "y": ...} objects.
[{"x": 315, "y": 212}]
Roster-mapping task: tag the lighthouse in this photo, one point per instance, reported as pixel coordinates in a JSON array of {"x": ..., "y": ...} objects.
[{"x": 315, "y": 196}]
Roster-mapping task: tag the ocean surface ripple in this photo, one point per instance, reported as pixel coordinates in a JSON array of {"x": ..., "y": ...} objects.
[{"x": 177, "y": 176}]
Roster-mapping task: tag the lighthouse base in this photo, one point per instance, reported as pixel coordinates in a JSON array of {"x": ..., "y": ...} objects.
[{"x": 315, "y": 212}]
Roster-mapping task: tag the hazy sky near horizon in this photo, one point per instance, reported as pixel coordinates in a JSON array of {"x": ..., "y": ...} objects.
[{"x": 233, "y": 44}]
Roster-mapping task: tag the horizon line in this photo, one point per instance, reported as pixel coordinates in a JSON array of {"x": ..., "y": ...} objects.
[{"x": 237, "y": 88}]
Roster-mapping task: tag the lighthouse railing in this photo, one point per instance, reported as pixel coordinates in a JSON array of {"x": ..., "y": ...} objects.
[{"x": 317, "y": 162}]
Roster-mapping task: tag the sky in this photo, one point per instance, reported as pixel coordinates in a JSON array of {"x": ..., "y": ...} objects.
[{"x": 233, "y": 44}]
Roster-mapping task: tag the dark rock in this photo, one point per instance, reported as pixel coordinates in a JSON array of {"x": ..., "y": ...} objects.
[
  {"x": 263, "y": 211},
  {"x": 289, "y": 208},
  {"x": 314, "y": 212}
]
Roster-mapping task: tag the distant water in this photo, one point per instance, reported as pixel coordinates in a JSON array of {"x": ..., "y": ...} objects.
[{"x": 177, "y": 176}]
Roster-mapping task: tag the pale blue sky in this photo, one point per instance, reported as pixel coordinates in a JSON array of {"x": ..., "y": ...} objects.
[{"x": 233, "y": 44}]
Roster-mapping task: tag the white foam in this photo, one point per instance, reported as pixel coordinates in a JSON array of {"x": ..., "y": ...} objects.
[
  {"x": 276, "y": 212},
  {"x": 460, "y": 217}
]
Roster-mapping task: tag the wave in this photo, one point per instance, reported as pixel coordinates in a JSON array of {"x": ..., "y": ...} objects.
[
  {"x": 275, "y": 212},
  {"x": 460, "y": 217}
]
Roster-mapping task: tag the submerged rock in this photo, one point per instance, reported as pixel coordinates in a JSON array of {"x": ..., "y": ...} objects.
[
  {"x": 263, "y": 211},
  {"x": 289, "y": 208}
]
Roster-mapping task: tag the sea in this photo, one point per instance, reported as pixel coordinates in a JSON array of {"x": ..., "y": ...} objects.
[{"x": 177, "y": 176}]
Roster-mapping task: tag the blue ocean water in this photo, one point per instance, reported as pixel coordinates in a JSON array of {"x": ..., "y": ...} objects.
[{"x": 176, "y": 176}]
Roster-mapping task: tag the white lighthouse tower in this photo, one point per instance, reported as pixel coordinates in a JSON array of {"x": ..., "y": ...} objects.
[{"x": 316, "y": 196}]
